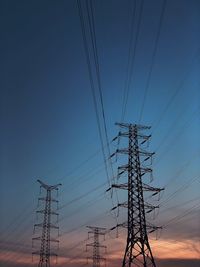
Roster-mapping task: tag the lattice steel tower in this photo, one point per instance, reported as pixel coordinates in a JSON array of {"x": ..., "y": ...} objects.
[
  {"x": 45, "y": 237},
  {"x": 96, "y": 232},
  {"x": 137, "y": 251}
]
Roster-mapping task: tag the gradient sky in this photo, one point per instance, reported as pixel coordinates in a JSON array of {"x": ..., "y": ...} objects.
[{"x": 49, "y": 129}]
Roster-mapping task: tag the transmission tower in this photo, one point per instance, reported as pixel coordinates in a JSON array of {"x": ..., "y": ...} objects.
[
  {"x": 137, "y": 251},
  {"x": 96, "y": 232},
  {"x": 45, "y": 238}
]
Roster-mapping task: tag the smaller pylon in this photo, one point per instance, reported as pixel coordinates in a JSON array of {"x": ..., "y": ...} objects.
[
  {"x": 96, "y": 232},
  {"x": 45, "y": 237}
]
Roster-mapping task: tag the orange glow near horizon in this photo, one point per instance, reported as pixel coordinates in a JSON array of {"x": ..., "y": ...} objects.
[
  {"x": 174, "y": 249},
  {"x": 162, "y": 249}
]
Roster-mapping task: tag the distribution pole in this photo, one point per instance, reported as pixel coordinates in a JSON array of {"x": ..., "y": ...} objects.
[
  {"x": 96, "y": 232},
  {"x": 137, "y": 251},
  {"x": 46, "y": 226}
]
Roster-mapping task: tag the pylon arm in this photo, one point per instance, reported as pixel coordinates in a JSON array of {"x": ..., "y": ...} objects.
[
  {"x": 43, "y": 211},
  {"x": 124, "y": 225},
  {"x": 44, "y": 199},
  {"x": 116, "y": 137},
  {"x": 147, "y": 187},
  {"x": 124, "y": 205},
  {"x": 120, "y": 173},
  {"x": 47, "y": 254},
  {"x": 127, "y": 125},
  {"x": 39, "y": 238},
  {"x": 145, "y": 170},
  {"x": 99, "y": 228},
  {"x": 146, "y": 154},
  {"x": 152, "y": 228},
  {"x": 123, "y": 151},
  {"x": 120, "y": 186},
  {"x": 123, "y": 167},
  {"x": 99, "y": 233},
  {"x": 140, "y": 136},
  {"x": 48, "y": 225},
  {"x": 48, "y": 187},
  {"x": 150, "y": 207},
  {"x": 143, "y": 153}
]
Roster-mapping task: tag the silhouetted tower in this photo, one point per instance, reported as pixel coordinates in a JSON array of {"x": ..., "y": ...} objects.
[
  {"x": 137, "y": 251},
  {"x": 45, "y": 237},
  {"x": 96, "y": 232}
]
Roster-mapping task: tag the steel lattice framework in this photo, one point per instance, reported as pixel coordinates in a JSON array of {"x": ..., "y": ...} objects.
[
  {"x": 137, "y": 251},
  {"x": 96, "y": 232},
  {"x": 45, "y": 237}
]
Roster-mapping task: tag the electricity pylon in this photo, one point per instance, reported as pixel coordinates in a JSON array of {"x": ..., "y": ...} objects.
[
  {"x": 137, "y": 251},
  {"x": 96, "y": 232},
  {"x": 45, "y": 237}
]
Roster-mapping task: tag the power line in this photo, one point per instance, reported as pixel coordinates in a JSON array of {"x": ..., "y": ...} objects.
[
  {"x": 90, "y": 13},
  {"x": 180, "y": 189},
  {"x": 92, "y": 31},
  {"x": 157, "y": 122},
  {"x": 129, "y": 59},
  {"x": 89, "y": 65},
  {"x": 177, "y": 137},
  {"x": 153, "y": 58},
  {"x": 182, "y": 215},
  {"x": 132, "y": 61}
]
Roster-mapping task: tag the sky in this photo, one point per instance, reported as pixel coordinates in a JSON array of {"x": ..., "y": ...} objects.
[{"x": 49, "y": 128}]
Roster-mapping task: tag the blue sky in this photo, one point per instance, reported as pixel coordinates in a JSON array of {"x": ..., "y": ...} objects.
[{"x": 49, "y": 128}]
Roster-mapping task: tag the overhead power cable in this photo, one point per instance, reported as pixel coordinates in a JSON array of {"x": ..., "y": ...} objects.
[
  {"x": 182, "y": 215},
  {"x": 153, "y": 58},
  {"x": 178, "y": 135},
  {"x": 180, "y": 189},
  {"x": 131, "y": 59},
  {"x": 157, "y": 122},
  {"x": 91, "y": 23},
  {"x": 89, "y": 65},
  {"x": 91, "y": 20}
]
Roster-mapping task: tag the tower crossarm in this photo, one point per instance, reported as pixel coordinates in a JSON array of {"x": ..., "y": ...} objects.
[
  {"x": 46, "y": 254},
  {"x": 51, "y": 212},
  {"x": 127, "y": 125},
  {"x": 123, "y": 167},
  {"x": 123, "y": 225},
  {"x": 146, "y": 154},
  {"x": 126, "y": 151},
  {"x": 124, "y": 205},
  {"x": 48, "y": 187},
  {"x": 120, "y": 186},
  {"x": 40, "y": 238},
  {"x": 48, "y": 225},
  {"x": 44, "y": 199},
  {"x": 150, "y": 207},
  {"x": 152, "y": 228},
  {"x": 145, "y": 170},
  {"x": 147, "y": 187},
  {"x": 96, "y": 228}
]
